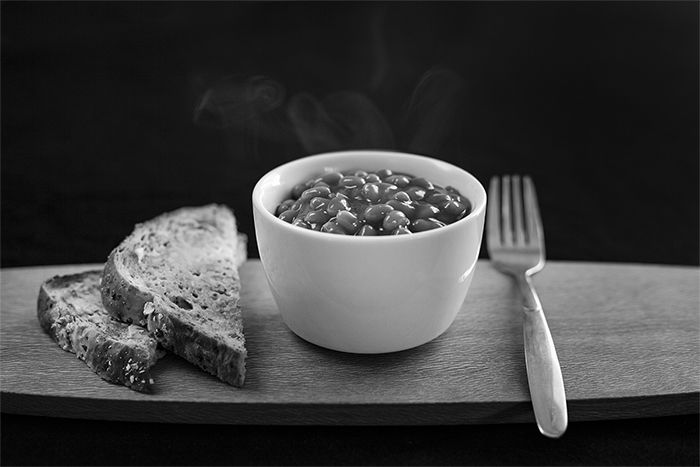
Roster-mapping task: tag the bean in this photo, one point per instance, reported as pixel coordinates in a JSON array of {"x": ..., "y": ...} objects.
[
  {"x": 383, "y": 173},
  {"x": 317, "y": 217},
  {"x": 322, "y": 191},
  {"x": 366, "y": 231},
  {"x": 402, "y": 196},
  {"x": 405, "y": 208},
  {"x": 425, "y": 210},
  {"x": 401, "y": 230},
  {"x": 297, "y": 205},
  {"x": 318, "y": 203},
  {"x": 360, "y": 173},
  {"x": 336, "y": 205},
  {"x": 301, "y": 223},
  {"x": 395, "y": 219},
  {"x": 305, "y": 209},
  {"x": 332, "y": 227},
  {"x": 321, "y": 184},
  {"x": 423, "y": 183},
  {"x": 331, "y": 178},
  {"x": 416, "y": 193},
  {"x": 288, "y": 215},
  {"x": 375, "y": 214},
  {"x": 351, "y": 181},
  {"x": 445, "y": 217},
  {"x": 345, "y": 192},
  {"x": 284, "y": 205},
  {"x": 354, "y": 193},
  {"x": 398, "y": 180},
  {"x": 421, "y": 225},
  {"x": 438, "y": 199},
  {"x": 440, "y": 189},
  {"x": 387, "y": 190},
  {"x": 348, "y": 221},
  {"x": 372, "y": 178},
  {"x": 454, "y": 208},
  {"x": 298, "y": 189},
  {"x": 370, "y": 192}
]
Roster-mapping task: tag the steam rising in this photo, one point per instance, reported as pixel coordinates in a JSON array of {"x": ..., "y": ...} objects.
[
  {"x": 379, "y": 52},
  {"x": 238, "y": 101},
  {"x": 432, "y": 110},
  {"x": 342, "y": 120},
  {"x": 253, "y": 109}
]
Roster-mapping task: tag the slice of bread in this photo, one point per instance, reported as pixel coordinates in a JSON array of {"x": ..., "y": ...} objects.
[
  {"x": 177, "y": 274},
  {"x": 70, "y": 309}
]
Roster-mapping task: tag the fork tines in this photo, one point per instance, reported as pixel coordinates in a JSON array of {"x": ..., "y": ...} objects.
[{"x": 513, "y": 215}]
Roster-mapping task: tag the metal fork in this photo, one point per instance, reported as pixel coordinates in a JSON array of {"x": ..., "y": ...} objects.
[{"x": 515, "y": 243}]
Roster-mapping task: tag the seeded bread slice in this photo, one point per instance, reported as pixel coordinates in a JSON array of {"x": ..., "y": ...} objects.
[
  {"x": 70, "y": 309},
  {"x": 177, "y": 274}
]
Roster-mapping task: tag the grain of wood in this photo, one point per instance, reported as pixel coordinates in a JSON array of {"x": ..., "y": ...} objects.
[{"x": 627, "y": 338}]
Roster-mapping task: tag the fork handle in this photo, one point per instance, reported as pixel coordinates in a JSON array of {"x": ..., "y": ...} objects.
[{"x": 543, "y": 371}]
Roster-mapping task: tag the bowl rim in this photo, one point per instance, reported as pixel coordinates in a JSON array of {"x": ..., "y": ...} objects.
[{"x": 471, "y": 217}]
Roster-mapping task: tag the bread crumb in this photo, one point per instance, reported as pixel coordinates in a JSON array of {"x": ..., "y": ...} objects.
[
  {"x": 140, "y": 252},
  {"x": 148, "y": 308}
]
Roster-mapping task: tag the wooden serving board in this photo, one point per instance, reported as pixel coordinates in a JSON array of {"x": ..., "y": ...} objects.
[{"x": 628, "y": 338}]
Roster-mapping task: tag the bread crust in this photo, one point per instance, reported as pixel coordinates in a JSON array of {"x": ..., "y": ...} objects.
[
  {"x": 147, "y": 281},
  {"x": 120, "y": 297},
  {"x": 69, "y": 310}
]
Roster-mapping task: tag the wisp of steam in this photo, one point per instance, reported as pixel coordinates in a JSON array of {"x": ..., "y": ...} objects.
[
  {"x": 255, "y": 108},
  {"x": 238, "y": 101},
  {"x": 342, "y": 120}
]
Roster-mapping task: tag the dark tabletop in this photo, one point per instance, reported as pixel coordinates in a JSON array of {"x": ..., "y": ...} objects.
[{"x": 115, "y": 112}]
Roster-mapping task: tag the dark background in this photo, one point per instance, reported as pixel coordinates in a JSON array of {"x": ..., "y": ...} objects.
[
  {"x": 115, "y": 112},
  {"x": 597, "y": 101}
]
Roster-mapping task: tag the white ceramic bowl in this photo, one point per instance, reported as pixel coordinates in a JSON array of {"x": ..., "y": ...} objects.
[{"x": 367, "y": 294}]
